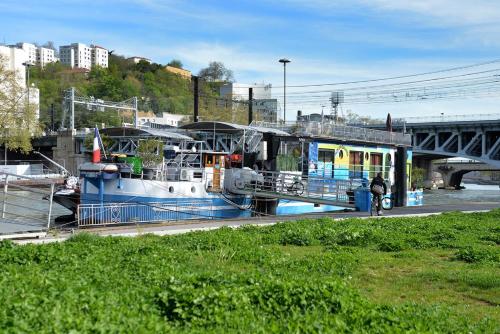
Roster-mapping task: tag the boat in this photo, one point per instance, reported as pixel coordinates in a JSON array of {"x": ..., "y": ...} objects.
[{"x": 212, "y": 170}]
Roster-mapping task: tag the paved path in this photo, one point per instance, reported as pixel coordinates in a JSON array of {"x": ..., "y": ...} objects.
[{"x": 203, "y": 225}]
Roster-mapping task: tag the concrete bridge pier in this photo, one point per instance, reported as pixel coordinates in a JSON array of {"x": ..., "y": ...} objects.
[{"x": 451, "y": 177}]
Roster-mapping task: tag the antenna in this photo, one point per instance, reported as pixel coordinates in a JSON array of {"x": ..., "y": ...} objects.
[{"x": 336, "y": 99}]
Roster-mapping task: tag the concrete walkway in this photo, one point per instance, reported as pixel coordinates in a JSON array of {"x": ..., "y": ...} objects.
[{"x": 172, "y": 228}]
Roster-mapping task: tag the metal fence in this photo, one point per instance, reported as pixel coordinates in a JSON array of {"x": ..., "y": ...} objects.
[
  {"x": 342, "y": 132},
  {"x": 295, "y": 186},
  {"x": 26, "y": 204},
  {"x": 145, "y": 212}
]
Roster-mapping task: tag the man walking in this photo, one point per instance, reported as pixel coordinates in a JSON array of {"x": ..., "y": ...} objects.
[{"x": 378, "y": 189}]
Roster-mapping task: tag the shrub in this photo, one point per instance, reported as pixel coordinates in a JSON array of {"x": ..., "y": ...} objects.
[{"x": 477, "y": 254}]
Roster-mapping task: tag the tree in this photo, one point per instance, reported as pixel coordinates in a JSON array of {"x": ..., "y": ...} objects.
[
  {"x": 18, "y": 120},
  {"x": 216, "y": 71},
  {"x": 50, "y": 45},
  {"x": 175, "y": 63}
]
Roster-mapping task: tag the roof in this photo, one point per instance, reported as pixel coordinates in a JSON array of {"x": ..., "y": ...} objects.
[
  {"x": 146, "y": 132},
  {"x": 230, "y": 128}
]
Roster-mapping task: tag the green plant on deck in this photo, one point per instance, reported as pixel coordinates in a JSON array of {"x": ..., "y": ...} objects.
[
  {"x": 151, "y": 152},
  {"x": 287, "y": 162},
  {"x": 88, "y": 142},
  {"x": 417, "y": 177}
]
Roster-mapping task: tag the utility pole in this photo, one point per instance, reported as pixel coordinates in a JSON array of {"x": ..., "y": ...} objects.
[
  {"x": 196, "y": 94},
  {"x": 52, "y": 127},
  {"x": 136, "y": 111},
  {"x": 72, "y": 108},
  {"x": 250, "y": 105}
]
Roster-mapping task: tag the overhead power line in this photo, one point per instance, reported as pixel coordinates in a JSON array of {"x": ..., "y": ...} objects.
[{"x": 395, "y": 77}]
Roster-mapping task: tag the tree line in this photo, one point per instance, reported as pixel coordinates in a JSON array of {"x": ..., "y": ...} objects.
[{"x": 157, "y": 89}]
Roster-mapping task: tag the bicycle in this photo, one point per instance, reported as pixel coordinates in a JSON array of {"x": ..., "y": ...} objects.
[
  {"x": 296, "y": 188},
  {"x": 387, "y": 204}
]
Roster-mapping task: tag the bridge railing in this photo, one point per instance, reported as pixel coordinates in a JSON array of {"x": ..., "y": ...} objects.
[{"x": 339, "y": 131}]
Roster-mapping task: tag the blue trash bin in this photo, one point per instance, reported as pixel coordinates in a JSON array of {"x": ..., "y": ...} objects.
[{"x": 362, "y": 199}]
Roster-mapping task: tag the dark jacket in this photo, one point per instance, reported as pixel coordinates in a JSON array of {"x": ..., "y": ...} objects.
[{"x": 378, "y": 181}]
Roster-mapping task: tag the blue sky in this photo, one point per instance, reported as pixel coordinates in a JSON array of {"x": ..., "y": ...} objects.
[{"x": 327, "y": 40}]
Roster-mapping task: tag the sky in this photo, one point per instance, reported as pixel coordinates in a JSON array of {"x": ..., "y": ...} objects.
[{"x": 327, "y": 41}]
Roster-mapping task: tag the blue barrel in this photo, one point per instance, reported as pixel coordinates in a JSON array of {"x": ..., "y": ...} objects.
[{"x": 362, "y": 199}]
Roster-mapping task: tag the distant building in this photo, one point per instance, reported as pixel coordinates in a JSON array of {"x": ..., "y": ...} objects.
[
  {"x": 265, "y": 108},
  {"x": 13, "y": 59},
  {"x": 137, "y": 59},
  {"x": 79, "y": 55},
  {"x": 179, "y": 71},
  {"x": 153, "y": 121},
  {"x": 45, "y": 56},
  {"x": 30, "y": 50},
  {"x": 239, "y": 91},
  {"x": 76, "y": 55},
  {"x": 36, "y": 55},
  {"x": 315, "y": 117},
  {"x": 99, "y": 56}
]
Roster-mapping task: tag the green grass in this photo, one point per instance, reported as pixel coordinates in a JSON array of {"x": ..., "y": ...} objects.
[{"x": 431, "y": 274}]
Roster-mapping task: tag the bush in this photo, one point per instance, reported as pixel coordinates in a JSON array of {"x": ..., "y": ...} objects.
[{"x": 477, "y": 254}]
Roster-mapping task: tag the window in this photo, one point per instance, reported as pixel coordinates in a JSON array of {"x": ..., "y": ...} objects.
[
  {"x": 355, "y": 164},
  {"x": 326, "y": 155}
]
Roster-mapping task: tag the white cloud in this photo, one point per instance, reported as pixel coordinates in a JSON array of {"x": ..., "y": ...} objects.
[{"x": 454, "y": 12}]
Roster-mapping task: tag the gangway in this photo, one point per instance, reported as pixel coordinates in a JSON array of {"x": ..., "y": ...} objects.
[{"x": 297, "y": 187}]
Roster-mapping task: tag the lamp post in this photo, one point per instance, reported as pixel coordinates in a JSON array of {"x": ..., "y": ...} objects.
[
  {"x": 28, "y": 65},
  {"x": 284, "y": 61}
]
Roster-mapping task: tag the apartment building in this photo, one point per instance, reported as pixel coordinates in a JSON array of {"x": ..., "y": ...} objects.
[
  {"x": 99, "y": 56},
  {"x": 30, "y": 50},
  {"x": 45, "y": 56},
  {"x": 265, "y": 107},
  {"x": 14, "y": 59},
  {"x": 76, "y": 55}
]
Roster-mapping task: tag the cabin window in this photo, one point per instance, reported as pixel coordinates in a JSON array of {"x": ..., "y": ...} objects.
[
  {"x": 326, "y": 159},
  {"x": 355, "y": 164},
  {"x": 326, "y": 155}
]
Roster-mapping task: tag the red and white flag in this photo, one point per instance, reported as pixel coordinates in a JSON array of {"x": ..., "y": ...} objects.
[{"x": 96, "y": 150}]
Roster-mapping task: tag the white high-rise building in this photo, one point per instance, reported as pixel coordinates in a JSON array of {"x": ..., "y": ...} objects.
[
  {"x": 14, "y": 58},
  {"x": 239, "y": 91},
  {"x": 76, "y": 55},
  {"x": 99, "y": 56},
  {"x": 45, "y": 56},
  {"x": 265, "y": 107},
  {"x": 30, "y": 50}
]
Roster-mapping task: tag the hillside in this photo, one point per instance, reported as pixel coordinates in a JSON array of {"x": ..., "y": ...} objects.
[{"x": 157, "y": 89}]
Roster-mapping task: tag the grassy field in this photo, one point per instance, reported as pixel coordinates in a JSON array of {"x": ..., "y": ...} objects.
[{"x": 416, "y": 275}]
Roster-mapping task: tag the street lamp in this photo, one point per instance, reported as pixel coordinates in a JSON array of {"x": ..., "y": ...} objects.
[
  {"x": 284, "y": 61},
  {"x": 28, "y": 65}
]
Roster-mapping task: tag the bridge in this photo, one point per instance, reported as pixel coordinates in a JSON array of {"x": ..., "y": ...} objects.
[
  {"x": 473, "y": 137},
  {"x": 452, "y": 171}
]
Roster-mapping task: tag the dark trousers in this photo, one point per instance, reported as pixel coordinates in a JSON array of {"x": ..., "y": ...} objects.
[{"x": 378, "y": 197}]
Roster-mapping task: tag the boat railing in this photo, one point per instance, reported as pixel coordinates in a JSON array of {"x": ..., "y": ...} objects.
[
  {"x": 143, "y": 212},
  {"x": 296, "y": 186}
]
